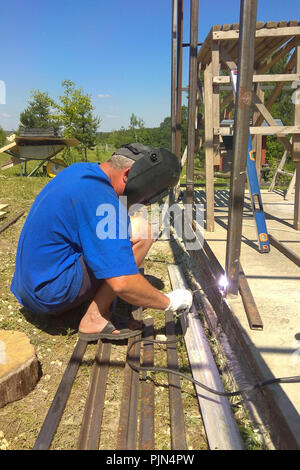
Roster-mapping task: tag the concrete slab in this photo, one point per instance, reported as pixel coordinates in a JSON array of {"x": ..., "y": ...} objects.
[{"x": 273, "y": 280}]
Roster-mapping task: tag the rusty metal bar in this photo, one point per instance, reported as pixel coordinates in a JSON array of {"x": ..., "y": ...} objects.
[
  {"x": 57, "y": 407},
  {"x": 284, "y": 250},
  {"x": 147, "y": 397},
  {"x": 127, "y": 432},
  {"x": 192, "y": 101},
  {"x": 89, "y": 435},
  {"x": 253, "y": 316},
  {"x": 10, "y": 222},
  {"x": 178, "y": 439},
  {"x": 173, "y": 74},
  {"x": 240, "y": 144},
  {"x": 254, "y": 319},
  {"x": 179, "y": 79}
]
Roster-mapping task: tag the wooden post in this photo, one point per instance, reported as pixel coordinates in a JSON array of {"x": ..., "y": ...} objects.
[
  {"x": 209, "y": 150},
  {"x": 296, "y": 147}
]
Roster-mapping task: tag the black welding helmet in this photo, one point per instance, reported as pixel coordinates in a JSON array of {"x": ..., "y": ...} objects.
[{"x": 154, "y": 172}]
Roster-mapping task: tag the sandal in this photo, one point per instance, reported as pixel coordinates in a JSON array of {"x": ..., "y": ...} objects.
[{"x": 107, "y": 333}]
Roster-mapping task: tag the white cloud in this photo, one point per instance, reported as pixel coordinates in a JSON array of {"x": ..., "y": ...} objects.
[
  {"x": 101, "y": 95},
  {"x": 111, "y": 116},
  {"x": 5, "y": 115}
]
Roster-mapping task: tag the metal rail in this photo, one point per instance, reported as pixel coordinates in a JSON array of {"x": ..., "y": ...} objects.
[
  {"x": 284, "y": 250},
  {"x": 127, "y": 432},
  {"x": 89, "y": 436},
  {"x": 176, "y": 408},
  {"x": 220, "y": 426},
  {"x": 137, "y": 422},
  {"x": 10, "y": 222},
  {"x": 146, "y": 440},
  {"x": 240, "y": 145},
  {"x": 57, "y": 407}
]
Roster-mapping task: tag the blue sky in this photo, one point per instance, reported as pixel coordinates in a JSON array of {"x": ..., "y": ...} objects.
[{"x": 118, "y": 51}]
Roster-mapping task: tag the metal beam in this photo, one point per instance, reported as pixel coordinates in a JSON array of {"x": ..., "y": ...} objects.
[
  {"x": 192, "y": 101},
  {"x": 179, "y": 79},
  {"x": 173, "y": 74},
  {"x": 240, "y": 144}
]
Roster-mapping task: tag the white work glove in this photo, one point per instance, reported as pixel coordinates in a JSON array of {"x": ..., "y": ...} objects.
[{"x": 180, "y": 299}]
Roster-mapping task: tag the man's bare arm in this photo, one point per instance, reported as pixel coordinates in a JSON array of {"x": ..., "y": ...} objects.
[{"x": 136, "y": 290}]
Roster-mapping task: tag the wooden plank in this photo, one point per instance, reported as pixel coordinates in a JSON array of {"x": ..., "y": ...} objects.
[
  {"x": 220, "y": 426},
  {"x": 205, "y": 48},
  {"x": 288, "y": 193},
  {"x": 261, "y": 130},
  {"x": 264, "y": 32},
  {"x": 296, "y": 148},
  {"x": 279, "y": 168},
  {"x": 209, "y": 152},
  {"x": 8, "y": 147},
  {"x": 281, "y": 77}
]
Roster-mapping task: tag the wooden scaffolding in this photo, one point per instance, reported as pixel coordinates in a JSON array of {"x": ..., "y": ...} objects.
[{"x": 217, "y": 56}]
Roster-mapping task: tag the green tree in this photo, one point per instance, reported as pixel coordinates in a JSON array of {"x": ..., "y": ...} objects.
[
  {"x": 76, "y": 116},
  {"x": 40, "y": 112},
  {"x": 2, "y": 137},
  {"x": 137, "y": 131}
]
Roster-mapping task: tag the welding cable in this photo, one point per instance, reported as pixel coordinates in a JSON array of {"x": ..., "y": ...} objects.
[{"x": 295, "y": 379}]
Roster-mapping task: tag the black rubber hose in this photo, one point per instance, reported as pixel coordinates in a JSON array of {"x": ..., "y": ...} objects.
[{"x": 264, "y": 383}]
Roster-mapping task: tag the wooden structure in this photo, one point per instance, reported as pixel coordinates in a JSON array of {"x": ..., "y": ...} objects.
[{"x": 217, "y": 56}]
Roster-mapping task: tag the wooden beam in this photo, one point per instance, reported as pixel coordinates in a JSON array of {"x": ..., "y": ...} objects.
[
  {"x": 282, "y": 77},
  {"x": 257, "y": 139},
  {"x": 277, "y": 90},
  {"x": 270, "y": 120},
  {"x": 261, "y": 130},
  {"x": 296, "y": 147},
  {"x": 264, "y": 32},
  {"x": 277, "y": 56}
]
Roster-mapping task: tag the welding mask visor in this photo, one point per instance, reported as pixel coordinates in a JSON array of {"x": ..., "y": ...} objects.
[{"x": 154, "y": 172}]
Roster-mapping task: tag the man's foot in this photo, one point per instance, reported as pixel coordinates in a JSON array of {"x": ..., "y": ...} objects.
[{"x": 109, "y": 332}]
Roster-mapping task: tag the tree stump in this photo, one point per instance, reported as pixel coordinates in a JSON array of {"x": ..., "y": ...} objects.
[{"x": 18, "y": 366}]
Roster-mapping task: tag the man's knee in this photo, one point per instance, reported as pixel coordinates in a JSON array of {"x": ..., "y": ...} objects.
[{"x": 140, "y": 230}]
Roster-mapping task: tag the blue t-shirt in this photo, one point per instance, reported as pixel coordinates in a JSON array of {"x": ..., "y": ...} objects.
[{"x": 77, "y": 213}]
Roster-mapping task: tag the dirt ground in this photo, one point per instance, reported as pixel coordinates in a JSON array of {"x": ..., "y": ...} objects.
[{"x": 54, "y": 341}]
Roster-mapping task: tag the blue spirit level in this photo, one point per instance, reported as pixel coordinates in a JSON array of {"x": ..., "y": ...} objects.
[{"x": 256, "y": 201}]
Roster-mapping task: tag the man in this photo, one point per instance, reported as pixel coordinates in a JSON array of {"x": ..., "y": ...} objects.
[{"x": 65, "y": 257}]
